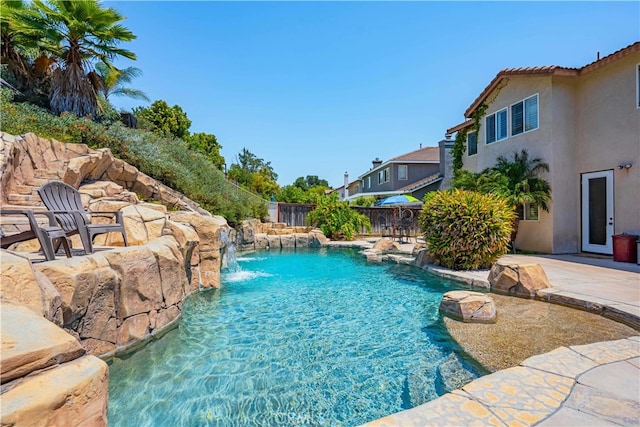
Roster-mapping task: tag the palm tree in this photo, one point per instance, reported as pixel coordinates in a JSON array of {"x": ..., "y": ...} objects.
[
  {"x": 113, "y": 80},
  {"x": 516, "y": 180},
  {"x": 79, "y": 34},
  {"x": 24, "y": 65}
]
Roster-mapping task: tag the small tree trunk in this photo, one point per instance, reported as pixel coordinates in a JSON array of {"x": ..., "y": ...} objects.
[{"x": 514, "y": 232}]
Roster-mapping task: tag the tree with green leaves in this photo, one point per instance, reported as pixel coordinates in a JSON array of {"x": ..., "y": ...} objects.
[
  {"x": 164, "y": 120},
  {"x": 310, "y": 181},
  {"x": 336, "y": 219},
  {"x": 77, "y": 35},
  {"x": 254, "y": 174},
  {"x": 113, "y": 82},
  {"x": 24, "y": 65},
  {"x": 206, "y": 144}
]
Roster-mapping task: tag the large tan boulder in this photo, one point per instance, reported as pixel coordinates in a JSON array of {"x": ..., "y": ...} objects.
[
  {"x": 207, "y": 227},
  {"x": 142, "y": 223},
  {"x": 88, "y": 167},
  {"x": 133, "y": 329},
  {"x": 261, "y": 241},
  {"x": 30, "y": 343},
  {"x": 21, "y": 284},
  {"x": 274, "y": 241},
  {"x": 423, "y": 258},
  {"x": 140, "y": 286},
  {"x": 386, "y": 245},
  {"x": 208, "y": 230},
  {"x": 188, "y": 242},
  {"x": 468, "y": 306},
  {"x": 521, "y": 280},
  {"x": 302, "y": 240},
  {"x": 173, "y": 278},
  {"x": 317, "y": 238},
  {"x": 77, "y": 279},
  {"x": 288, "y": 241},
  {"x": 75, "y": 393}
]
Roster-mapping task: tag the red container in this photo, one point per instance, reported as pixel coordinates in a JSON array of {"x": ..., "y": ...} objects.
[{"x": 625, "y": 248}]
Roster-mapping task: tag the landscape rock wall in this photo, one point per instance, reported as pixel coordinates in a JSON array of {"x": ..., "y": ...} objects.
[
  {"x": 47, "y": 378},
  {"x": 29, "y": 161}
]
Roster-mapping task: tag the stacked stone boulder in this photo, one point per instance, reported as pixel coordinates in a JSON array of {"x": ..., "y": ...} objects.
[
  {"x": 47, "y": 378},
  {"x": 468, "y": 306},
  {"x": 28, "y": 161},
  {"x": 521, "y": 280},
  {"x": 253, "y": 234}
]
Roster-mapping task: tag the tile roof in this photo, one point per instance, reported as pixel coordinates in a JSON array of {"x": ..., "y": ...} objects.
[
  {"x": 547, "y": 70},
  {"x": 422, "y": 183},
  {"x": 461, "y": 126},
  {"x": 426, "y": 154}
]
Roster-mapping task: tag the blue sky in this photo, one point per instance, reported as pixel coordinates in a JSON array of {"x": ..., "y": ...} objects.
[{"x": 320, "y": 88}]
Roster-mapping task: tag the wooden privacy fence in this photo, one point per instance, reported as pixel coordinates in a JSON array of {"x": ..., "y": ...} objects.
[{"x": 384, "y": 220}]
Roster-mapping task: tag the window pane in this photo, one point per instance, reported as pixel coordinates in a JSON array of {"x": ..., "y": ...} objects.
[
  {"x": 472, "y": 143},
  {"x": 532, "y": 212},
  {"x": 491, "y": 128},
  {"x": 403, "y": 172},
  {"x": 531, "y": 113},
  {"x": 517, "y": 123},
  {"x": 501, "y": 125}
]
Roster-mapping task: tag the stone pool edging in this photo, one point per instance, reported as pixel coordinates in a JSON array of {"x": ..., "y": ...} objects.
[{"x": 553, "y": 386}]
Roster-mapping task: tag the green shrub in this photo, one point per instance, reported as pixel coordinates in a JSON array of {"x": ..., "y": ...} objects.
[
  {"x": 466, "y": 230},
  {"x": 165, "y": 159},
  {"x": 364, "y": 201},
  {"x": 336, "y": 219}
]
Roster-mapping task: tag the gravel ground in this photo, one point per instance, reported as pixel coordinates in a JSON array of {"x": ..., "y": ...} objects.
[{"x": 525, "y": 328}]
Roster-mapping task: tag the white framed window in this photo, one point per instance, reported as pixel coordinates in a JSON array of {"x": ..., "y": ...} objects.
[
  {"x": 472, "y": 143},
  {"x": 524, "y": 115},
  {"x": 403, "y": 172},
  {"x": 529, "y": 212},
  {"x": 638, "y": 86},
  {"x": 496, "y": 126},
  {"x": 383, "y": 176},
  {"x": 369, "y": 182}
]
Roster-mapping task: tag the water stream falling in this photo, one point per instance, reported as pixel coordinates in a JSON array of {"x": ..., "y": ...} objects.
[{"x": 229, "y": 258}]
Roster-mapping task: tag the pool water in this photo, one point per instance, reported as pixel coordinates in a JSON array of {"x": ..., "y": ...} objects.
[{"x": 304, "y": 337}]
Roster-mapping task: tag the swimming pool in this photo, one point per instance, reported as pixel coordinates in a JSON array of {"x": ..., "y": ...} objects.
[{"x": 303, "y": 337}]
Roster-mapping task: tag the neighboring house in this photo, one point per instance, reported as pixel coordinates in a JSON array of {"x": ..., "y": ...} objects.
[
  {"x": 585, "y": 123},
  {"x": 415, "y": 173}
]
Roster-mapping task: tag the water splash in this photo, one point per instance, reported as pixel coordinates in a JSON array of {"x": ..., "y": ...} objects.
[{"x": 229, "y": 258}]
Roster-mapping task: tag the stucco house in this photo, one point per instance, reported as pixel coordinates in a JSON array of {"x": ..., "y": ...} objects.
[
  {"x": 414, "y": 173},
  {"x": 585, "y": 123}
]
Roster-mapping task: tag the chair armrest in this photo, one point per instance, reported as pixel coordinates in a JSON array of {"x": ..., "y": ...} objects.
[{"x": 31, "y": 215}]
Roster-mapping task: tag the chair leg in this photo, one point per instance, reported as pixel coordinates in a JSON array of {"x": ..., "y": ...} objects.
[
  {"x": 65, "y": 244},
  {"x": 86, "y": 239},
  {"x": 124, "y": 237},
  {"x": 47, "y": 248}
]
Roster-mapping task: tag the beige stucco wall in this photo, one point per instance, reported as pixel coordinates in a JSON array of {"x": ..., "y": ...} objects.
[
  {"x": 565, "y": 184},
  {"x": 532, "y": 235},
  {"x": 608, "y": 134},
  {"x": 587, "y": 123}
]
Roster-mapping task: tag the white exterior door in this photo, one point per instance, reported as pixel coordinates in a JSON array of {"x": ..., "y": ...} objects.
[{"x": 597, "y": 212}]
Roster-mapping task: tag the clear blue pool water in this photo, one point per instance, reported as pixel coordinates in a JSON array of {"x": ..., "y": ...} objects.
[{"x": 307, "y": 337}]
